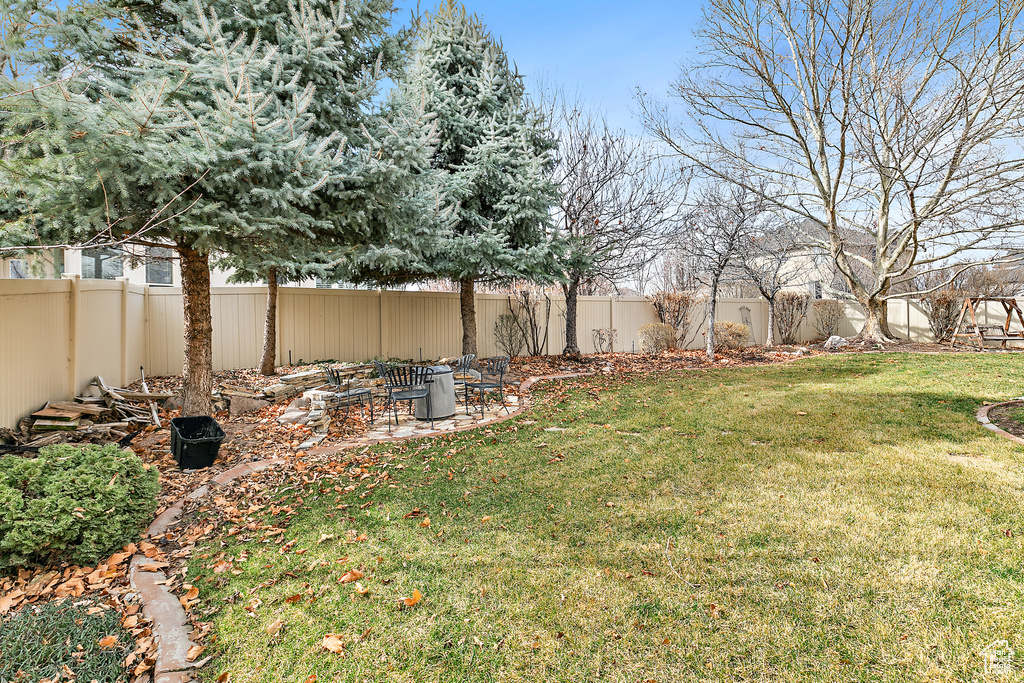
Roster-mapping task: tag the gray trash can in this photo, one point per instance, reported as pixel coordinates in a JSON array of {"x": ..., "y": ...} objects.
[{"x": 442, "y": 395}]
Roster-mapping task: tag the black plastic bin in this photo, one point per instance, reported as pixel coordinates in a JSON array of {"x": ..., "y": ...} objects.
[{"x": 195, "y": 441}]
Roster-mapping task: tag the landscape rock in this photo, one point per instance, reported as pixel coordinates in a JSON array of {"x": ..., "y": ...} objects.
[
  {"x": 241, "y": 405},
  {"x": 835, "y": 343}
]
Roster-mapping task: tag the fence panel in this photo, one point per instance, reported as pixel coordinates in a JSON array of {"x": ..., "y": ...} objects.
[
  {"x": 61, "y": 333},
  {"x": 34, "y": 346}
]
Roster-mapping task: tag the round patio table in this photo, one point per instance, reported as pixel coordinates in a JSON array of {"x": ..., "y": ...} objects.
[{"x": 442, "y": 395}]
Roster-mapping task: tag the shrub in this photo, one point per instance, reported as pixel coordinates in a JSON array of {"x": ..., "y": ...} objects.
[
  {"x": 41, "y": 641},
  {"x": 790, "y": 310},
  {"x": 508, "y": 335},
  {"x": 674, "y": 309},
  {"x": 604, "y": 339},
  {"x": 656, "y": 337},
  {"x": 942, "y": 309},
  {"x": 730, "y": 335},
  {"x": 828, "y": 313},
  {"x": 78, "y": 504}
]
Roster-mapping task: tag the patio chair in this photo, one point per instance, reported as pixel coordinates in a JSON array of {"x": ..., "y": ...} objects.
[
  {"x": 492, "y": 376},
  {"x": 359, "y": 394},
  {"x": 408, "y": 383},
  {"x": 461, "y": 367}
]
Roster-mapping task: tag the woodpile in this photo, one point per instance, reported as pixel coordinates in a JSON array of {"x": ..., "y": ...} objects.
[{"x": 111, "y": 416}]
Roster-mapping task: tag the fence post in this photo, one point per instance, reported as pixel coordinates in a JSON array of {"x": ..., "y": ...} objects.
[
  {"x": 74, "y": 305},
  {"x": 385, "y": 327},
  {"x": 611, "y": 322},
  {"x": 124, "y": 331}
]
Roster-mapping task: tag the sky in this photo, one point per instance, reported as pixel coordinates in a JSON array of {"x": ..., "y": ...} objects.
[{"x": 602, "y": 50}]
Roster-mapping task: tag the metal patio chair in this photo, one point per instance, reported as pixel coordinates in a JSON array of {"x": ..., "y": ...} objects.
[
  {"x": 408, "y": 383},
  {"x": 492, "y": 376},
  {"x": 461, "y": 367},
  {"x": 358, "y": 395}
]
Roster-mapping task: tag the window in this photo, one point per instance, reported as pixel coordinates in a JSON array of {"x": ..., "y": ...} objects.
[
  {"x": 19, "y": 269},
  {"x": 158, "y": 266},
  {"x": 102, "y": 264}
]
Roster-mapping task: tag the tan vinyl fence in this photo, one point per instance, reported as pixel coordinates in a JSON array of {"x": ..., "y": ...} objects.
[{"x": 59, "y": 334}]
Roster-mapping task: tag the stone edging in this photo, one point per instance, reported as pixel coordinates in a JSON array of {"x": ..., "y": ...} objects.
[
  {"x": 170, "y": 624},
  {"x": 982, "y": 416}
]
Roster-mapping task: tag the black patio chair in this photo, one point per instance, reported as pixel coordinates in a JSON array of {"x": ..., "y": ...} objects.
[
  {"x": 348, "y": 394},
  {"x": 492, "y": 376},
  {"x": 461, "y": 367},
  {"x": 408, "y": 383}
]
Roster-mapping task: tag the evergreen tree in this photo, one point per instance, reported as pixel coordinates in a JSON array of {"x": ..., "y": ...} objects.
[
  {"x": 493, "y": 151},
  {"x": 244, "y": 129}
]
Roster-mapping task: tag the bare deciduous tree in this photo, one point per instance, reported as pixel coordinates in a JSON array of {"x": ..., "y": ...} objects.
[
  {"x": 896, "y": 126},
  {"x": 618, "y": 202},
  {"x": 722, "y": 222},
  {"x": 766, "y": 256}
]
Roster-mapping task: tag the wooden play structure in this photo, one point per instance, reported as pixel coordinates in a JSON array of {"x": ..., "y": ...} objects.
[{"x": 981, "y": 334}]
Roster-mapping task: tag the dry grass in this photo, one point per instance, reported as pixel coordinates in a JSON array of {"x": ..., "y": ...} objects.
[{"x": 684, "y": 527}]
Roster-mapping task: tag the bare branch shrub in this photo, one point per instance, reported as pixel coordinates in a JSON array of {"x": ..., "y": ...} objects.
[
  {"x": 656, "y": 338},
  {"x": 532, "y": 311},
  {"x": 943, "y": 310},
  {"x": 791, "y": 308},
  {"x": 508, "y": 335},
  {"x": 674, "y": 308},
  {"x": 828, "y": 313},
  {"x": 730, "y": 335},
  {"x": 604, "y": 339}
]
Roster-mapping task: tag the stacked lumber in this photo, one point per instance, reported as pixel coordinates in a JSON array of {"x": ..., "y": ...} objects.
[{"x": 111, "y": 416}]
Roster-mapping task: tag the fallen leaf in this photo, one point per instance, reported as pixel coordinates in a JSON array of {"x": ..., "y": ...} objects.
[
  {"x": 108, "y": 641},
  {"x": 800, "y": 412},
  {"x": 224, "y": 677},
  {"x": 426, "y": 522},
  {"x": 194, "y": 652},
  {"x": 362, "y": 590},
  {"x": 311, "y": 679},
  {"x": 487, "y": 518},
  {"x": 293, "y": 599},
  {"x": 275, "y": 628},
  {"x": 416, "y": 597},
  {"x": 192, "y": 593},
  {"x": 351, "y": 575},
  {"x": 153, "y": 566},
  {"x": 326, "y": 537},
  {"x": 333, "y": 643}
]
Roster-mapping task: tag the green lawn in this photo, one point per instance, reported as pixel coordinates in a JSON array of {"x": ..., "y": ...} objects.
[{"x": 684, "y": 527}]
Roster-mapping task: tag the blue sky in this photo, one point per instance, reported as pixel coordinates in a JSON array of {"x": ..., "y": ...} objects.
[{"x": 602, "y": 49}]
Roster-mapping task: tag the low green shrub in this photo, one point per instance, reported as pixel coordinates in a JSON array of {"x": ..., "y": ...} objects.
[
  {"x": 656, "y": 337},
  {"x": 37, "y": 643},
  {"x": 730, "y": 335},
  {"x": 77, "y": 504}
]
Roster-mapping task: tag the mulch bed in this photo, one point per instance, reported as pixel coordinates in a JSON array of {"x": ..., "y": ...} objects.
[{"x": 1003, "y": 417}]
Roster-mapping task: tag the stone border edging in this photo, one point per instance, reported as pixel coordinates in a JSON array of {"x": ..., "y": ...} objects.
[
  {"x": 982, "y": 416},
  {"x": 171, "y": 628}
]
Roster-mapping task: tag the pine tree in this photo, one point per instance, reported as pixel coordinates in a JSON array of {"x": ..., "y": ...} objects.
[
  {"x": 243, "y": 129},
  {"x": 493, "y": 152}
]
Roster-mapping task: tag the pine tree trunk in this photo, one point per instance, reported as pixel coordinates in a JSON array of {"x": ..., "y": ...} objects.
[
  {"x": 770, "y": 341},
  {"x": 572, "y": 292},
  {"x": 197, "y": 373},
  {"x": 467, "y": 304},
  {"x": 268, "y": 365}
]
